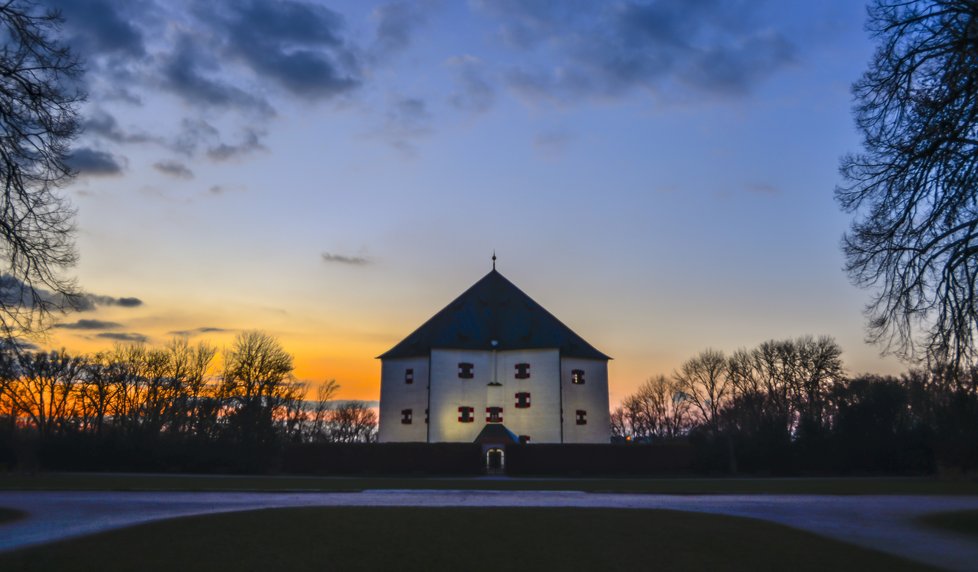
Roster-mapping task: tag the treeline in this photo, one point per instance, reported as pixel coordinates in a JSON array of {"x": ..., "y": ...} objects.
[
  {"x": 139, "y": 400},
  {"x": 788, "y": 407}
]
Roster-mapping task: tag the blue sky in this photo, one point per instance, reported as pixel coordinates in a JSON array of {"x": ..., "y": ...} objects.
[{"x": 658, "y": 174}]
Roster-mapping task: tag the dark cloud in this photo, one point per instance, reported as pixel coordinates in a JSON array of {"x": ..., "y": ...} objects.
[
  {"x": 16, "y": 292},
  {"x": 101, "y": 27},
  {"x": 474, "y": 92},
  {"x": 103, "y": 125},
  {"x": 92, "y": 162},
  {"x": 396, "y": 23},
  {"x": 17, "y": 345},
  {"x": 249, "y": 144},
  {"x": 300, "y": 46},
  {"x": 89, "y": 325},
  {"x": 174, "y": 169},
  {"x": 197, "y": 331},
  {"x": 184, "y": 72},
  {"x": 130, "y": 337},
  {"x": 344, "y": 259},
  {"x": 194, "y": 133},
  {"x": 713, "y": 47}
]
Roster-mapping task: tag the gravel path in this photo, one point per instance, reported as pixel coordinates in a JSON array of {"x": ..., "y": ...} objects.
[{"x": 881, "y": 522}]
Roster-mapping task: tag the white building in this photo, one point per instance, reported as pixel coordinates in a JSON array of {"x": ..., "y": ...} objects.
[{"x": 494, "y": 366}]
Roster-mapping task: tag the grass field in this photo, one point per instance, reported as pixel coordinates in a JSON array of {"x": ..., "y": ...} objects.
[
  {"x": 454, "y": 539},
  {"x": 962, "y": 522},
  {"x": 839, "y": 486}
]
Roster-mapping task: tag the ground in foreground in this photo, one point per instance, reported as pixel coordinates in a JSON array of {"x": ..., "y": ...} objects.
[{"x": 495, "y": 539}]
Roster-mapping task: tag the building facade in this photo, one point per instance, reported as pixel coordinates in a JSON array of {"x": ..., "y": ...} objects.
[{"x": 494, "y": 363}]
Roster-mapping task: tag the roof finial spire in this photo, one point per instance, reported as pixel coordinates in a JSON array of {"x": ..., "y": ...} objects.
[{"x": 493, "y": 259}]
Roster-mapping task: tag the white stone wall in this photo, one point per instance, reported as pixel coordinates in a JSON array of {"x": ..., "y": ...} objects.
[
  {"x": 540, "y": 421},
  {"x": 396, "y": 395},
  {"x": 549, "y": 386},
  {"x": 591, "y": 396}
]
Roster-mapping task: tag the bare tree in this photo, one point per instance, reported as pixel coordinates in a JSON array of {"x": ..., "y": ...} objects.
[
  {"x": 352, "y": 422},
  {"x": 324, "y": 395},
  {"x": 914, "y": 187},
  {"x": 44, "y": 388},
  {"x": 658, "y": 409},
  {"x": 255, "y": 384},
  {"x": 38, "y": 118},
  {"x": 705, "y": 382}
]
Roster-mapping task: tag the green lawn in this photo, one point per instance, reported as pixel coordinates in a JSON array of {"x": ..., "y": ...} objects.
[
  {"x": 454, "y": 539},
  {"x": 841, "y": 486},
  {"x": 10, "y": 515},
  {"x": 961, "y": 522}
]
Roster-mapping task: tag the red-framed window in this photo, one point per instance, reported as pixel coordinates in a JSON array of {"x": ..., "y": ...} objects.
[
  {"x": 581, "y": 417},
  {"x": 409, "y": 376},
  {"x": 577, "y": 376},
  {"x": 522, "y": 371},
  {"x": 524, "y": 439},
  {"x": 406, "y": 416},
  {"x": 494, "y": 414},
  {"x": 466, "y": 414},
  {"x": 465, "y": 370},
  {"x": 523, "y": 400}
]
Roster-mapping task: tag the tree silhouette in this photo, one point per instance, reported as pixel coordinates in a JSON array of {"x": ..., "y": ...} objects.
[
  {"x": 39, "y": 95},
  {"x": 914, "y": 186}
]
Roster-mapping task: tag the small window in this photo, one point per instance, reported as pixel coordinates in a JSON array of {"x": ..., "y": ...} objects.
[
  {"x": 581, "y": 417},
  {"x": 577, "y": 376},
  {"x": 522, "y": 371},
  {"x": 524, "y": 439},
  {"x": 406, "y": 416},
  {"x": 425, "y": 416},
  {"x": 409, "y": 376},
  {"x": 465, "y": 370},
  {"x": 523, "y": 400},
  {"x": 494, "y": 414},
  {"x": 466, "y": 414}
]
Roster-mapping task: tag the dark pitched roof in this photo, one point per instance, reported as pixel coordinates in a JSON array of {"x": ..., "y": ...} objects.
[
  {"x": 493, "y": 309},
  {"x": 495, "y": 434}
]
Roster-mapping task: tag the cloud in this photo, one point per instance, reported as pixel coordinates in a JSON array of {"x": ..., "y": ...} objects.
[
  {"x": 396, "y": 23},
  {"x": 103, "y": 125},
  {"x": 93, "y": 162},
  {"x": 474, "y": 93},
  {"x": 407, "y": 120},
  {"x": 224, "y": 151},
  {"x": 16, "y": 292},
  {"x": 197, "y": 331},
  {"x": 89, "y": 325},
  {"x": 299, "y": 46},
  {"x": 130, "y": 337},
  {"x": 343, "y": 259},
  {"x": 174, "y": 169},
  {"x": 184, "y": 72},
  {"x": 712, "y": 47},
  {"x": 100, "y": 26}
]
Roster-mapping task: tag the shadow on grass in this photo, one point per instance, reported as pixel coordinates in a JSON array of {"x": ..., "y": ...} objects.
[
  {"x": 963, "y": 522},
  {"x": 10, "y": 515},
  {"x": 431, "y": 539}
]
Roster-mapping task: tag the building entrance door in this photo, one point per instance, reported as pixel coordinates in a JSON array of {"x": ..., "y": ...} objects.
[{"x": 495, "y": 461}]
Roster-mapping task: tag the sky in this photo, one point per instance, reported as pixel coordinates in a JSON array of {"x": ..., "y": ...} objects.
[{"x": 657, "y": 174}]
